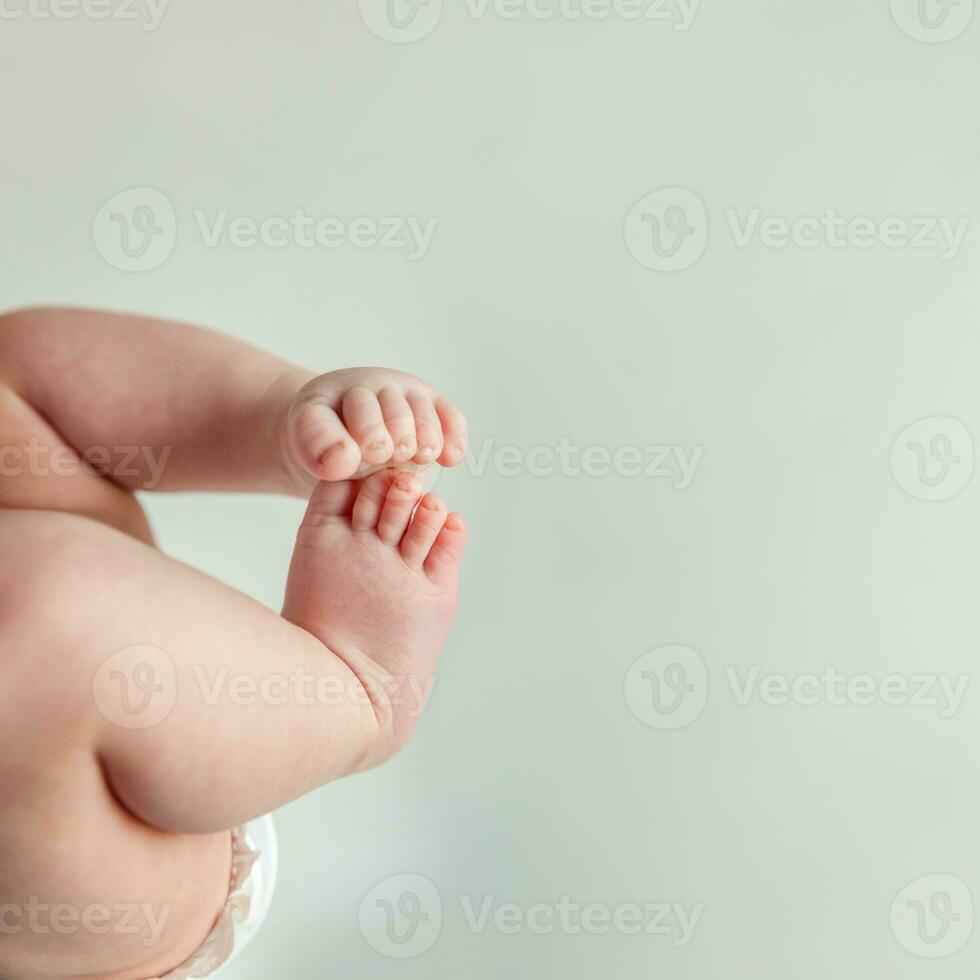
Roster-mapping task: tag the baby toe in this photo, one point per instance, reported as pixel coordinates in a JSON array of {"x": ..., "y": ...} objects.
[
  {"x": 424, "y": 529},
  {"x": 364, "y": 419},
  {"x": 400, "y": 421},
  {"x": 403, "y": 495},
  {"x": 371, "y": 501},
  {"x": 428, "y": 428},
  {"x": 454, "y": 433},
  {"x": 442, "y": 563},
  {"x": 321, "y": 443}
]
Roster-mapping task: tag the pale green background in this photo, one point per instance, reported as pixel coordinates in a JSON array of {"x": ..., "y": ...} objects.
[{"x": 793, "y": 549}]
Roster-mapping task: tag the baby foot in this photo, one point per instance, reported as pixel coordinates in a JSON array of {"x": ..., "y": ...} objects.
[
  {"x": 349, "y": 424},
  {"x": 378, "y": 588}
]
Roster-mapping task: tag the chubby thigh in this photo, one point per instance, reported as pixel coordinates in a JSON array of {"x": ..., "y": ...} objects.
[
  {"x": 104, "y": 803},
  {"x": 85, "y": 888}
]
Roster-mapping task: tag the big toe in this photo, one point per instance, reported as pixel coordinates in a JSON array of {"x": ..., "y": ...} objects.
[{"x": 321, "y": 443}]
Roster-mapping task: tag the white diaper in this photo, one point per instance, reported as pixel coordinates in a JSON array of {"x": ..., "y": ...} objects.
[{"x": 255, "y": 863}]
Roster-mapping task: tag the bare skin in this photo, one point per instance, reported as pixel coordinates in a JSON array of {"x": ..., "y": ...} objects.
[{"x": 98, "y": 815}]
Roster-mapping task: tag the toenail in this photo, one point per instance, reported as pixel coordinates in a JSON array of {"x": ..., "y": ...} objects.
[
  {"x": 377, "y": 445},
  {"x": 454, "y": 524},
  {"x": 336, "y": 447},
  {"x": 455, "y": 454},
  {"x": 406, "y": 445},
  {"x": 430, "y": 503},
  {"x": 427, "y": 451},
  {"x": 405, "y": 481}
]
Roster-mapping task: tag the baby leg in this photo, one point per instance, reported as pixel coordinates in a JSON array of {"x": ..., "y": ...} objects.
[{"x": 203, "y": 708}]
